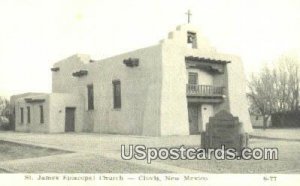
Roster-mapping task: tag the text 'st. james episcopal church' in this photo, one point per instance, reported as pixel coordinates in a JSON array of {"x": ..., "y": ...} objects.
[{"x": 171, "y": 88}]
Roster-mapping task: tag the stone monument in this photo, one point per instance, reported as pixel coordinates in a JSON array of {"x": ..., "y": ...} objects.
[{"x": 224, "y": 129}]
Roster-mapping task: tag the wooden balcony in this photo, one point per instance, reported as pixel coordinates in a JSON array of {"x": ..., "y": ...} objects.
[{"x": 204, "y": 91}]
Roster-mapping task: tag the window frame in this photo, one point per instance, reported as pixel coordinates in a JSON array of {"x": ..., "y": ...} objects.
[
  {"x": 28, "y": 114},
  {"x": 193, "y": 74},
  {"x": 90, "y": 97},
  {"x": 117, "y": 94},
  {"x": 42, "y": 120},
  {"x": 21, "y": 115}
]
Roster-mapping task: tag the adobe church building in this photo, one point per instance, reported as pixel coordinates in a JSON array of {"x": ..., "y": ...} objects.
[{"x": 171, "y": 88}]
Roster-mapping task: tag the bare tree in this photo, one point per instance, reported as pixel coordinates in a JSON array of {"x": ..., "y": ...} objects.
[
  {"x": 275, "y": 89},
  {"x": 261, "y": 93},
  {"x": 4, "y": 107},
  {"x": 287, "y": 78}
]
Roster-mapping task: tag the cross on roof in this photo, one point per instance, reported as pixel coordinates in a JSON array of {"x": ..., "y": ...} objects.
[{"x": 189, "y": 14}]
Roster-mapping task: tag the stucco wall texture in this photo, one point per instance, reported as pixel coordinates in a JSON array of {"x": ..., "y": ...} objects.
[
  {"x": 53, "y": 112},
  {"x": 34, "y": 125},
  {"x": 153, "y": 94}
]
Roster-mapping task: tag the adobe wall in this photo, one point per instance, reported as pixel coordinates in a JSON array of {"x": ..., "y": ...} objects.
[
  {"x": 237, "y": 92},
  {"x": 140, "y": 91},
  {"x": 174, "y": 102},
  {"x": 34, "y": 125},
  {"x": 58, "y": 104}
]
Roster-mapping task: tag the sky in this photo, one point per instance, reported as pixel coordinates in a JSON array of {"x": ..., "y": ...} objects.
[{"x": 35, "y": 34}]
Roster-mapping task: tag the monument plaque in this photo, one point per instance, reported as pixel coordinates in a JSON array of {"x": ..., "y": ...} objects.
[{"x": 224, "y": 129}]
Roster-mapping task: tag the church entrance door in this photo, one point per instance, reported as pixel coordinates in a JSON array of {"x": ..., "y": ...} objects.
[{"x": 193, "y": 119}]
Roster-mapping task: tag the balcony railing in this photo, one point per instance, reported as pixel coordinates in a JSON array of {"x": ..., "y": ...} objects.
[{"x": 204, "y": 90}]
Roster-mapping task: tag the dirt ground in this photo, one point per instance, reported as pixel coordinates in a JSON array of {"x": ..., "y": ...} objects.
[{"x": 95, "y": 153}]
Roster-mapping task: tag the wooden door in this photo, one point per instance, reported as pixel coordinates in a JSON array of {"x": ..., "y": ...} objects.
[
  {"x": 70, "y": 119},
  {"x": 193, "y": 119}
]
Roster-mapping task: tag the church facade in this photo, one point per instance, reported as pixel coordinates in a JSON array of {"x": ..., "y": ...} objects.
[{"x": 171, "y": 88}]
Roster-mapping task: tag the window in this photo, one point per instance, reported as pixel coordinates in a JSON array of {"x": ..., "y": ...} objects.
[
  {"x": 28, "y": 114},
  {"x": 41, "y": 114},
  {"x": 117, "y": 93},
  {"x": 193, "y": 78},
  {"x": 192, "y": 39},
  {"x": 14, "y": 114},
  {"x": 90, "y": 92},
  {"x": 22, "y": 114}
]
